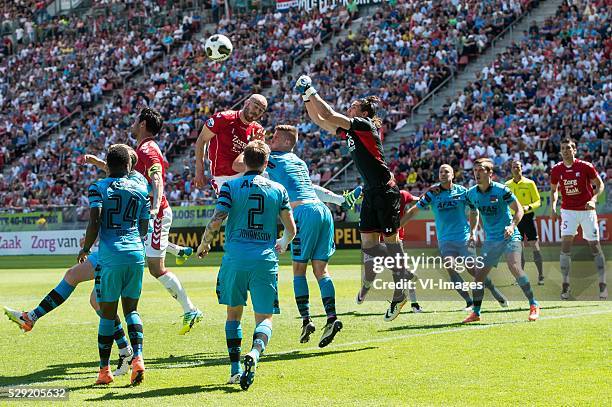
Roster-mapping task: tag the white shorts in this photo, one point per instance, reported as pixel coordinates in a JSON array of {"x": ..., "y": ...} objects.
[
  {"x": 218, "y": 181},
  {"x": 570, "y": 220},
  {"x": 157, "y": 238}
]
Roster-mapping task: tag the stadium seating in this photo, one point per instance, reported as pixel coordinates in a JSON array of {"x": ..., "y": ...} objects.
[
  {"x": 546, "y": 87},
  {"x": 418, "y": 43}
]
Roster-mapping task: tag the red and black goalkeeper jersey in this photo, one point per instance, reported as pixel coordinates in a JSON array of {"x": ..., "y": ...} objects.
[{"x": 365, "y": 146}]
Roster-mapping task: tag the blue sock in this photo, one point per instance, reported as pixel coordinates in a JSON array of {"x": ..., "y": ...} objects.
[
  {"x": 328, "y": 295},
  {"x": 477, "y": 295},
  {"x": 523, "y": 282},
  {"x": 300, "y": 289},
  {"x": 105, "y": 340},
  {"x": 134, "y": 324},
  {"x": 54, "y": 299},
  {"x": 261, "y": 337},
  {"x": 119, "y": 334},
  {"x": 233, "y": 337}
]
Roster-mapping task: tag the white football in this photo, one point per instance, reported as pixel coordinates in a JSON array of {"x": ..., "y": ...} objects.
[{"x": 218, "y": 47}]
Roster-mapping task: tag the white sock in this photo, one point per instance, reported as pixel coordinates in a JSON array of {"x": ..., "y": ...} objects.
[
  {"x": 174, "y": 287},
  {"x": 325, "y": 195},
  {"x": 174, "y": 249}
]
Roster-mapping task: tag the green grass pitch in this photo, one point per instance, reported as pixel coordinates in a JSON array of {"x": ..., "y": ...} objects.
[{"x": 418, "y": 359}]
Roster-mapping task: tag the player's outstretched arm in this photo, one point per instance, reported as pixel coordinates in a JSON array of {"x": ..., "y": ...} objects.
[
  {"x": 321, "y": 111},
  {"x": 409, "y": 214},
  {"x": 201, "y": 145},
  {"x": 210, "y": 232},
  {"x": 318, "y": 120},
  {"x": 98, "y": 162},
  {"x": 93, "y": 227},
  {"x": 286, "y": 218}
]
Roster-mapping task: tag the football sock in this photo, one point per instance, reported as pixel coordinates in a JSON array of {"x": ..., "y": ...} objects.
[
  {"x": 400, "y": 274},
  {"x": 233, "y": 337},
  {"x": 477, "y": 295},
  {"x": 261, "y": 337},
  {"x": 368, "y": 263},
  {"x": 600, "y": 262},
  {"x": 300, "y": 289},
  {"x": 119, "y": 334},
  {"x": 494, "y": 290},
  {"x": 537, "y": 258},
  {"x": 134, "y": 325},
  {"x": 106, "y": 328},
  {"x": 456, "y": 278},
  {"x": 176, "y": 290},
  {"x": 523, "y": 282},
  {"x": 325, "y": 195},
  {"x": 565, "y": 260},
  {"x": 328, "y": 295},
  {"x": 54, "y": 299},
  {"x": 523, "y": 260}
]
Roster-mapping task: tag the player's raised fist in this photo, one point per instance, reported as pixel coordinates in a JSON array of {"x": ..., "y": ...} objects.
[{"x": 303, "y": 83}]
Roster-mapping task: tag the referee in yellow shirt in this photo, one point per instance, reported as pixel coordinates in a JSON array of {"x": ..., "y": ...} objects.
[{"x": 527, "y": 194}]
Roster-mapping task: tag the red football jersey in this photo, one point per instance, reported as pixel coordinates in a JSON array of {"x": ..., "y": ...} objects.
[
  {"x": 149, "y": 156},
  {"x": 574, "y": 183},
  {"x": 231, "y": 137}
]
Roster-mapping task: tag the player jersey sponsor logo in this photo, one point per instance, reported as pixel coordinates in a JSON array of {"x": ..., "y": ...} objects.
[
  {"x": 350, "y": 142},
  {"x": 488, "y": 210},
  {"x": 571, "y": 186},
  {"x": 238, "y": 145},
  {"x": 447, "y": 204},
  {"x": 493, "y": 199}
]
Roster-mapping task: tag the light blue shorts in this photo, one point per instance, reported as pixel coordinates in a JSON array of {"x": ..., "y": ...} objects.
[
  {"x": 493, "y": 251},
  {"x": 315, "y": 233},
  {"x": 238, "y": 277},
  {"x": 116, "y": 281}
]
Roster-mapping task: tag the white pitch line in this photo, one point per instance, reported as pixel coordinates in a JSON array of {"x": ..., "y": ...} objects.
[
  {"x": 364, "y": 342},
  {"x": 464, "y": 328}
]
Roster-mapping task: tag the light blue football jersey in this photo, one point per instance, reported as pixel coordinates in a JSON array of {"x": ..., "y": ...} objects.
[
  {"x": 494, "y": 207},
  {"x": 124, "y": 202},
  {"x": 449, "y": 209},
  {"x": 290, "y": 171},
  {"x": 253, "y": 204}
]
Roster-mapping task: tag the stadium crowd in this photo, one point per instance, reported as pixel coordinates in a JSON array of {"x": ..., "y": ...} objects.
[
  {"x": 184, "y": 86},
  {"x": 419, "y": 44},
  {"x": 553, "y": 84}
]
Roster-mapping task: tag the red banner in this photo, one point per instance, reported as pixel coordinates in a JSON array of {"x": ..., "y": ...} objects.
[{"x": 548, "y": 231}]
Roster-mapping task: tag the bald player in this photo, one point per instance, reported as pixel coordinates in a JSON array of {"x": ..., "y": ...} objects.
[{"x": 224, "y": 137}]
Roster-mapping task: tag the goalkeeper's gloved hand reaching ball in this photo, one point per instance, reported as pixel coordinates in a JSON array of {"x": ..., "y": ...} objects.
[{"x": 304, "y": 87}]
